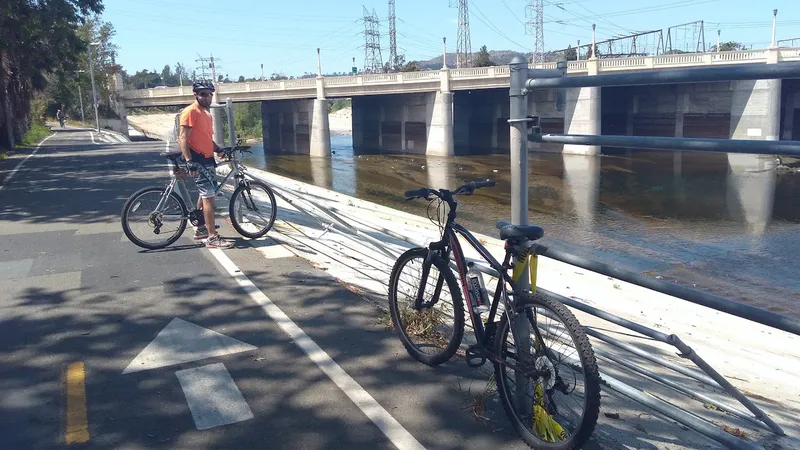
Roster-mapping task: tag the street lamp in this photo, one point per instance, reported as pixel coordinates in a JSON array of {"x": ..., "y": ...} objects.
[
  {"x": 94, "y": 93},
  {"x": 80, "y": 97}
]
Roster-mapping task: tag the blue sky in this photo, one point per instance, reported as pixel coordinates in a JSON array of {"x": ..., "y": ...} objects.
[{"x": 284, "y": 35}]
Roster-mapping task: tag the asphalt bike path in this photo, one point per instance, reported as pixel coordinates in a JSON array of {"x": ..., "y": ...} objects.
[{"x": 105, "y": 345}]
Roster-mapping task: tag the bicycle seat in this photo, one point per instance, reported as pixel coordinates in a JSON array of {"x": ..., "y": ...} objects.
[
  {"x": 170, "y": 154},
  {"x": 515, "y": 232}
]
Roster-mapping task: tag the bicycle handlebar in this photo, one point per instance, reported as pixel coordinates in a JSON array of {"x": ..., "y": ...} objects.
[
  {"x": 464, "y": 189},
  {"x": 228, "y": 151}
]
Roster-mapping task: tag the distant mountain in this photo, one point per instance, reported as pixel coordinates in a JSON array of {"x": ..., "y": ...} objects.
[{"x": 499, "y": 57}]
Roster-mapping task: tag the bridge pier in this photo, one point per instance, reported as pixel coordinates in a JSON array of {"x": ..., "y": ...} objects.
[
  {"x": 756, "y": 110},
  {"x": 296, "y": 126}
]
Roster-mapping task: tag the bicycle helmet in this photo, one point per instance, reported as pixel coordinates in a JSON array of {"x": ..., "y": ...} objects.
[{"x": 202, "y": 84}]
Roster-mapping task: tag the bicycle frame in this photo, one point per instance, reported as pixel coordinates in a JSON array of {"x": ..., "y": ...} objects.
[
  {"x": 525, "y": 257},
  {"x": 237, "y": 171}
]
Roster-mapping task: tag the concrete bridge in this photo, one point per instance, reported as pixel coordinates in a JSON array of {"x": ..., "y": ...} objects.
[{"x": 436, "y": 112}]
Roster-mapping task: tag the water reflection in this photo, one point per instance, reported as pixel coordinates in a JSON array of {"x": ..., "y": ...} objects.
[
  {"x": 752, "y": 184},
  {"x": 728, "y": 223}
]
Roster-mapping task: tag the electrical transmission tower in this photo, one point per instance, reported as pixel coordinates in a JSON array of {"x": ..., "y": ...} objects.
[
  {"x": 392, "y": 37},
  {"x": 373, "y": 61},
  {"x": 534, "y": 12},
  {"x": 210, "y": 64},
  {"x": 464, "y": 43}
]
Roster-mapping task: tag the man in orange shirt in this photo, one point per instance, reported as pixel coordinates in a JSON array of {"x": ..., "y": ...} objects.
[{"x": 198, "y": 147}]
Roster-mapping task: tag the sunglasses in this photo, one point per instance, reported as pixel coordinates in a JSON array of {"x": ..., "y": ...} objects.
[{"x": 204, "y": 94}]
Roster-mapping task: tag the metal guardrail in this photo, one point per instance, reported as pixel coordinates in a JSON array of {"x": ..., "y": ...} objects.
[
  {"x": 337, "y": 220},
  {"x": 520, "y": 123}
]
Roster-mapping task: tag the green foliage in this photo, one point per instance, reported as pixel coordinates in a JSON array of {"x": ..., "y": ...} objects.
[
  {"x": 482, "y": 59},
  {"x": 247, "y": 117},
  {"x": 36, "y": 132},
  {"x": 729, "y": 46},
  {"x": 37, "y": 40},
  {"x": 570, "y": 54},
  {"x": 339, "y": 104}
]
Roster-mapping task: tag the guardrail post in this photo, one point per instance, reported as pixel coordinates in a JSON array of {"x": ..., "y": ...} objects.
[{"x": 518, "y": 76}]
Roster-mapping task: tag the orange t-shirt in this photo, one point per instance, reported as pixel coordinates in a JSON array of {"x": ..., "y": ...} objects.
[{"x": 201, "y": 138}]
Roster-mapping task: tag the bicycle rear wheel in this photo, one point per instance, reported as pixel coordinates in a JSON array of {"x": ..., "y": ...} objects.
[
  {"x": 426, "y": 333},
  {"x": 557, "y": 411},
  {"x": 141, "y": 221},
  {"x": 253, "y": 209}
]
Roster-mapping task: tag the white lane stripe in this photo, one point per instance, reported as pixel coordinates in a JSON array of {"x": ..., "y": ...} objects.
[
  {"x": 390, "y": 427},
  {"x": 13, "y": 172},
  {"x": 213, "y": 397},
  {"x": 92, "y": 135}
]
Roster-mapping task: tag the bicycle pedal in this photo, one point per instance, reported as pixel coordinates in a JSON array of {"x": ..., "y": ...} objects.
[{"x": 475, "y": 356}]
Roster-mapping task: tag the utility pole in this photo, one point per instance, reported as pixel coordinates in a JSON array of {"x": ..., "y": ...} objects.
[
  {"x": 718, "y": 33},
  {"x": 94, "y": 92},
  {"x": 392, "y": 37},
  {"x": 464, "y": 43},
  {"x": 535, "y": 25},
  {"x": 262, "y": 71},
  {"x": 80, "y": 97},
  {"x": 444, "y": 52}
]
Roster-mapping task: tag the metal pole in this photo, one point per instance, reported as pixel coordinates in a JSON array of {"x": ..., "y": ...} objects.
[
  {"x": 518, "y": 69},
  {"x": 444, "y": 53},
  {"x": 594, "y": 41},
  {"x": 674, "y": 76},
  {"x": 578, "y": 50},
  {"x": 94, "y": 93},
  {"x": 718, "y": 33},
  {"x": 231, "y": 127},
  {"x": 765, "y": 147},
  {"x": 319, "y": 64},
  {"x": 774, "y": 26},
  {"x": 80, "y": 98}
]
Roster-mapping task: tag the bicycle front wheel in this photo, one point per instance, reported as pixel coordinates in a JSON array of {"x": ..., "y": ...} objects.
[
  {"x": 553, "y": 396},
  {"x": 252, "y": 209},
  {"x": 432, "y": 334},
  {"x": 150, "y": 226}
]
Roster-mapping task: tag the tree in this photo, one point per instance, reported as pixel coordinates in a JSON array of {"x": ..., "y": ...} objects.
[
  {"x": 570, "y": 54},
  {"x": 412, "y": 66},
  {"x": 166, "y": 74},
  {"x": 37, "y": 39},
  {"x": 482, "y": 59},
  {"x": 241, "y": 79},
  {"x": 729, "y": 46}
]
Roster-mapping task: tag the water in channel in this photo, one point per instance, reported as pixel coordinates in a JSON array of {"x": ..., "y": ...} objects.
[{"x": 728, "y": 224}]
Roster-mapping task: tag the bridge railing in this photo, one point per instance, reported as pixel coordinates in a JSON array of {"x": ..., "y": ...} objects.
[{"x": 502, "y": 72}]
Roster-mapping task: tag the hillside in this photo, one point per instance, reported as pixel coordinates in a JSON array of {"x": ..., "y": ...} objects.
[{"x": 499, "y": 57}]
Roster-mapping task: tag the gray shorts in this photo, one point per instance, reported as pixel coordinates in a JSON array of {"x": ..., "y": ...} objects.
[{"x": 206, "y": 181}]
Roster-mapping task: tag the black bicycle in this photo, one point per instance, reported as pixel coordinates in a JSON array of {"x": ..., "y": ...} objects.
[
  {"x": 161, "y": 214},
  {"x": 544, "y": 365}
]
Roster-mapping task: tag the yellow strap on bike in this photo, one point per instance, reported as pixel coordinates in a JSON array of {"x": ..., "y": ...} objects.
[
  {"x": 532, "y": 262},
  {"x": 543, "y": 423},
  {"x": 519, "y": 266}
]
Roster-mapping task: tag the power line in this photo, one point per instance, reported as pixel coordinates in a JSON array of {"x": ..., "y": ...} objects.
[{"x": 494, "y": 27}]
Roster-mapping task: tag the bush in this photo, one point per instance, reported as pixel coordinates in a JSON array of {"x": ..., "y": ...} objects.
[{"x": 35, "y": 134}]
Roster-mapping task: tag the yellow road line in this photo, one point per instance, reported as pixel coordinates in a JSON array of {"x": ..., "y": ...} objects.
[{"x": 77, "y": 424}]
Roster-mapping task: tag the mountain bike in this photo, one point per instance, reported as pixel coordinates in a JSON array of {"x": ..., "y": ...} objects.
[
  {"x": 150, "y": 211},
  {"x": 533, "y": 374}
]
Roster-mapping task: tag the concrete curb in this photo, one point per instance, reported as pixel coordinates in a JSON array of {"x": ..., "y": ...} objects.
[{"x": 119, "y": 137}]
